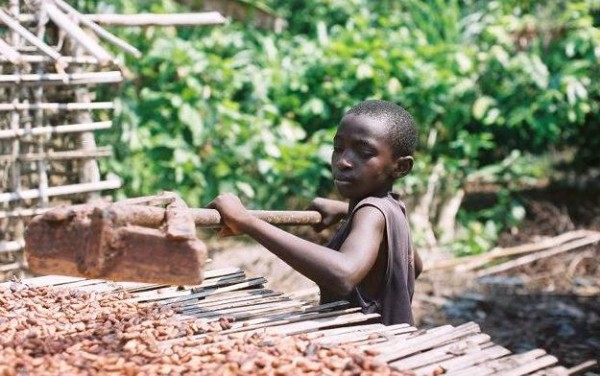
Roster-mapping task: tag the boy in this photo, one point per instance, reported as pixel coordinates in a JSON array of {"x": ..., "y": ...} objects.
[{"x": 369, "y": 261}]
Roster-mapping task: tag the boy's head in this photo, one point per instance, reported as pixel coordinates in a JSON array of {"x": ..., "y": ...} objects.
[
  {"x": 399, "y": 124},
  {"x": 373, "y": 146}
]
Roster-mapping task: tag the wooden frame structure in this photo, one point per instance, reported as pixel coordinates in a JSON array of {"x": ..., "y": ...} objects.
[
  {"x": 51, "y": 60},
  {"x": 49, "y": 68}
]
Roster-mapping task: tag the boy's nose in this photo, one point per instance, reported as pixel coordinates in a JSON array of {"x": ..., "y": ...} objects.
[{"x": 343, "y": 163}]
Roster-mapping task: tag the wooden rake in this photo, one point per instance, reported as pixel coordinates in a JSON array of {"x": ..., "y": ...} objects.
[{"x": 148, "y": 239}]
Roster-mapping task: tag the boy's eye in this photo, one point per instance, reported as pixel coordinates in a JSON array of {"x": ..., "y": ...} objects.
[{"x": 366, "y": 152}]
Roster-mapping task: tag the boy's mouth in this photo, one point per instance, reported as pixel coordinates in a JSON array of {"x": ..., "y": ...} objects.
[{"x": 342, "y": 180}]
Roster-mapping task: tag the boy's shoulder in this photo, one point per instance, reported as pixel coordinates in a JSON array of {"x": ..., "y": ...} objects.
[{"x": 389, "y": 203}]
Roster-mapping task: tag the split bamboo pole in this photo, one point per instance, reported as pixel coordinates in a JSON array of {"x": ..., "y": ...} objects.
[
  {"x": 59, "y": 129},
  {"x": 101, "y": 152},
  {"x": 41, "y": 78},
  {"x": 102, "y": 33},
  {"x": 9, "y": 52},
  {"x": 76, "y": 106},
  {"x": 27, "y": 35},
  {"x": 148, "y": 19},
  {"x": 61, "y": 190},
  {"x": 77, "y": 34}
]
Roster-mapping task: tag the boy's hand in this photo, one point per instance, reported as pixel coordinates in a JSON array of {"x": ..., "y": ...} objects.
[
  {"x": 233, "y": 213},
  {"x": 332, "y": 211}
]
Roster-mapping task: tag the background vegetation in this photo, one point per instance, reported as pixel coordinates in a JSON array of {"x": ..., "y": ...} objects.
[{"x": 499, "y": 89}]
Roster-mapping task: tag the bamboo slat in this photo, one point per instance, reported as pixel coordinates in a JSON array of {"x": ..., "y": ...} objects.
[
  {"x": 102, "y": 152},
  {"x": 98, "y": 30},
  {"x": 61, "y": 190},
  {"x": 59, "y": 129},
  {"x": 56, "y": 106},
  {"x": 77, "y": 34},
  {"x": 27, "y": 35},
  {"x": 11, "y": 246},
  {"x": 149, "y": 19},
  {"x": 84, "y": 78},
  {"x": 9, "y": 52},
  {"x": 461, "y": 350}
]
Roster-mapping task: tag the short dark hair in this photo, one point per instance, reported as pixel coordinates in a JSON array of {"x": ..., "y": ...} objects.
[{"x": 400, "y": 124}]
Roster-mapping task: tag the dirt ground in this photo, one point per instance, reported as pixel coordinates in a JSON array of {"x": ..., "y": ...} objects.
[{"x": 552, "y": 304}]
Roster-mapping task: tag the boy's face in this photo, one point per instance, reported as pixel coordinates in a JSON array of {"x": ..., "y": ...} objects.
[{"x": 362, "y": 162}]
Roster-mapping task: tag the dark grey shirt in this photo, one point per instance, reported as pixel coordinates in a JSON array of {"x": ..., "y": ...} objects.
[{"x": 393, "y": 302}]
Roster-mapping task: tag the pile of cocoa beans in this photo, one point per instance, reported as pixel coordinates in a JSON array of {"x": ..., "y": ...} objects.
[{"x": 54, "y": 331}]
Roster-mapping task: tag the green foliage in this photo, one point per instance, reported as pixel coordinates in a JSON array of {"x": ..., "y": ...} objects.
[{"x": 233, "y": 108}]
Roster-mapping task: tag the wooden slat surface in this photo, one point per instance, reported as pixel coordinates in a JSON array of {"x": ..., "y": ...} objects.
[{"x": 461, "y": 350}]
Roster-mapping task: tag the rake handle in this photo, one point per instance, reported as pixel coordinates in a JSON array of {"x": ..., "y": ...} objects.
[{"x": 212, "y": 218}]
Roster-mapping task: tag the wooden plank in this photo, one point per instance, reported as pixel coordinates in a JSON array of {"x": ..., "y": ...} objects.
[
  {"x": 496, "y": 366},
  {"x": 235, "y": 303},
  {"x": 224, "y": 297},
  {"x": 473, "y": 356},
  {"x": 359, "y": 334},
  {"x": 443, "y": 352},
  {"x": 532, "y": 366},
  {"x": 425, "y": 342},
  {"x": 311, "y": 325},
  {"x": 242, "y": 301},
  {"x": 185, "y": 295},
  {"x": 44, "y": 281},
  {"x": 589, "y": 240}
]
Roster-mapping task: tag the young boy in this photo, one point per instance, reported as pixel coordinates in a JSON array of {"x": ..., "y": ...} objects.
[{"x": 369, "y": 261}]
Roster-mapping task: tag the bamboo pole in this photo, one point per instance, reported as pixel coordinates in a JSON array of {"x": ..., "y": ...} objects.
[
  {"x": 61, "y": 155},
  {"x": 38, "y": 79},
  {"x": 77, "y": 34},
  {"x": 589, "y": 240},
  {"x": 61, "y": 190},
  {"x": 59, "y": 129},
  {"x": 19, "y": 213},
  {"x": 27, "y": 35},
  {"x": 38, "y": 96},
  {"x": 11, "y": 246},
  {"x": 145, "y": 19},
  {"x": 45, "y": 59},
  {"x": 149, "y": 19},
  {"x": 102, "y": 33},
  {"x": 76, "y": 106},
  {"x": 9, "y": 52}
]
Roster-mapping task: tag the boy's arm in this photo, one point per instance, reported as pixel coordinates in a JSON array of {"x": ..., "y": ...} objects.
[
  {"x": 339, "y": 271},
  {"x": 418, "y": 264}
]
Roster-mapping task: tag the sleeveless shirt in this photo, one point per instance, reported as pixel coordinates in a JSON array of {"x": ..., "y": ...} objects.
[{"x": 393, "y": 301}]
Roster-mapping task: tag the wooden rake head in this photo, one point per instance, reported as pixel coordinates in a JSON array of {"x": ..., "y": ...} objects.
[{"x": 149, "y": 239}]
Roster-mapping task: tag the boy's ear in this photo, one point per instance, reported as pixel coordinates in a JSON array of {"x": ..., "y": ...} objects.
[{"x": 403, "y": 166}]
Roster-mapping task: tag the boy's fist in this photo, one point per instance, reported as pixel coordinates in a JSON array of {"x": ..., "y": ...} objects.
[
  {"x": 332, "y": 211},
  {"x": 233, "y": 213}
]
